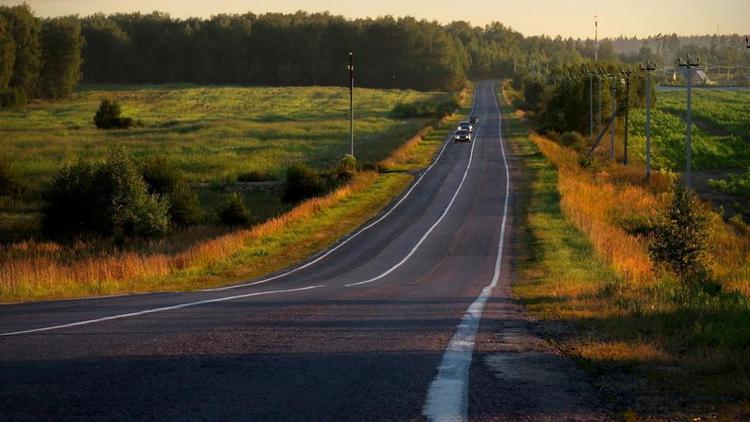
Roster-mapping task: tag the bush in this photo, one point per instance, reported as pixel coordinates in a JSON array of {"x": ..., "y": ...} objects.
[
  {"x": 10, "y": 181},
  {"x": 164, "y": 178},
  {"x": 425, "y": 108},
  {"x": 108, "y": 116},
  {"x": 680, "y": 239},
  {"x": 108, "y": 199},
  {"x": 573, "y": 140},
  {"x": 234, "y": 212},
  {"x": 254, "y": 176},
  {"x": 302, "y": 183}
]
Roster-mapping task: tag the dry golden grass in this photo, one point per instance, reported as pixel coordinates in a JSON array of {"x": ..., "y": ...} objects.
[{"x": 601, "y": 202}]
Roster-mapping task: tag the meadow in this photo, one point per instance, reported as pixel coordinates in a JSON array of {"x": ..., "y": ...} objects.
[
  {"x": 308, "y": 125},
  {"x": 655, "y": 350},
  {"x": 215, "y": 135},
  {"x": 721, "y": 135}
]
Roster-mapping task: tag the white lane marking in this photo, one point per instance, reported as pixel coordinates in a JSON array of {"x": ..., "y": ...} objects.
[
  {"x": 360, "y": 231},
  {"x": 155, "y": 310},
  {"x": 447, "y": 399},
  {"x": 434, "y": 225}
]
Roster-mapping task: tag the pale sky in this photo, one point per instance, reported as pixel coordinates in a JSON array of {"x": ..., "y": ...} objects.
[{"x": 530, "y": 17}]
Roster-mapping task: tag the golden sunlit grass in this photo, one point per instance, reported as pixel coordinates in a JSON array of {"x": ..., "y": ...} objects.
[
  {"x": 585, "y": 273},
  {"x": 36, "y": 271}
]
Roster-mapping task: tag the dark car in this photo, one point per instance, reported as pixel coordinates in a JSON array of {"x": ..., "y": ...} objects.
[
  {"x": 465, "y": 125},
  {"x": 462, "y": 135},
  {"x": 474, "y": 120}
]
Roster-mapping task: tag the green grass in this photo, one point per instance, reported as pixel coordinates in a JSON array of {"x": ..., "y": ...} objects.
[
  {"x": 719, "y": 142},
  {"x": 215, "y": 133}
]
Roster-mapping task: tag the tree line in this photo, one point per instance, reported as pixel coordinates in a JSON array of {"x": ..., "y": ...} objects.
[{"x": 38, "y": 58}]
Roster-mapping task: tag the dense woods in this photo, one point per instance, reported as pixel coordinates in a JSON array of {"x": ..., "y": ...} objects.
[
  {"x": 47, "y": 57},
  {"x": 38, "y": 58}
]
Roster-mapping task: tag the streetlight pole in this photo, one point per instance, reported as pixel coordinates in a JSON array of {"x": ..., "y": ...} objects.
[
  {"x": 648, "y": 69},
  {"x": 351, "y": 100},
  {"x": 689, "y": 66}
]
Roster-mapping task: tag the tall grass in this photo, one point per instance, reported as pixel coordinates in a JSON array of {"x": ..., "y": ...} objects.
[{"x": 585, "y": 273}]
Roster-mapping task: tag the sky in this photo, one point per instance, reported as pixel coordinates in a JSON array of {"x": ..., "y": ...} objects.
[{"x": 531, "y": 17}]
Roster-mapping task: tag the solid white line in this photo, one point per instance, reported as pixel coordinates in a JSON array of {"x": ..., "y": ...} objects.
[
  {"x": 434, "y": 225},
  {"x": 447, "y": 399},
  {"x": 360, "y": 231},
  {"x": 155, "y": 310}
]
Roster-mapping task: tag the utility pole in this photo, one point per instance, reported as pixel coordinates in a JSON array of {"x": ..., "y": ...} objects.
[
  {"x": 613, "y": 89},
  {"x": 351, "y": 100},
  {"x": 596, "y": 59},
  {"x": 591, "y": 105},
  {"x": 689, "y": 65},
  {"x": 627, "y": 112},
  {"x": 648, "y": 69}
]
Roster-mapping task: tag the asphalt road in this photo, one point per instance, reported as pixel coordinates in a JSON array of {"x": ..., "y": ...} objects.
[{"x": 410, "y": 318}]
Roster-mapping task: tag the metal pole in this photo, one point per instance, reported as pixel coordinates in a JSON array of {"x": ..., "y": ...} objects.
[
  {"x": 613, "y": 88},
  {"x": 351, "y": 101}
]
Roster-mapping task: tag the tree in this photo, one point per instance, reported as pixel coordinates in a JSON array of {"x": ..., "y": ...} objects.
[
  {"x": 108, "y": 116},
  {"x": 25, "y": 30},
  {"x": 61, "y": 57},
  {"x": 680, "y": 238},
  {"x": 7, "y": 55},
  {"x": 108, "y": 199}
]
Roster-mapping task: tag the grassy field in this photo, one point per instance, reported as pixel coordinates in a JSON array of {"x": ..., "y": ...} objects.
[
  {"x": 654, "y": 350},
  {"x": 208, "y": 255},
  {"x": 215, "y": 133},
  {"x": 721, "y": 137}
]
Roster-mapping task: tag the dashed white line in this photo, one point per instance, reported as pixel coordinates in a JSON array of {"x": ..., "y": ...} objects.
[
  {"x": 447, "y": 398},
  {"x": 155, "y": 310}
]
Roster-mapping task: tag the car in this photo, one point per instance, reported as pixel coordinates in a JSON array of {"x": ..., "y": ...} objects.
[
  {"x": 474, "y": 120},
  {"x": 462, "y": 135},
  {"x": 465, "y": 125}
]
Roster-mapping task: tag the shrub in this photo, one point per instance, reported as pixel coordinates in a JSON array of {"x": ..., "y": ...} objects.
[
  {"x": 10, "y": 181},
  {"x": 108, "y": 116},
  {"x": 234, "y": 212},
  {"x": 425, "y": 108},
  {"x": 108, "y": 199},
  {"x": 164, "y": 178},
  {"x": 346, "y": 168},
  {"x": 573, "y": 140},
  {"x": 302, "y": 183},
  {"x": 680, "y": 238},
  {"x": 254, "y": 176}
]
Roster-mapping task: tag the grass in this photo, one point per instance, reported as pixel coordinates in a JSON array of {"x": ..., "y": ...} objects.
[
  {"x": 205, "y": 256},
  {"x": 655, "y": 350},
  {"x": 215, "y": 133}
]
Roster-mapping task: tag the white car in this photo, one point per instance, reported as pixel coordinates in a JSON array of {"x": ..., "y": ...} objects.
[
  {"x": 462, "y": 135},
  {"x": 465, "y": 125}
]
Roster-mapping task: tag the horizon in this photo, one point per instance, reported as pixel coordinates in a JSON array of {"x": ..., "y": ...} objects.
[{"x": 569, "y": 19}]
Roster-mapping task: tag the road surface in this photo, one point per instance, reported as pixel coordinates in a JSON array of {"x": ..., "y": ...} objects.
[{"x": 411, "y": 318}]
